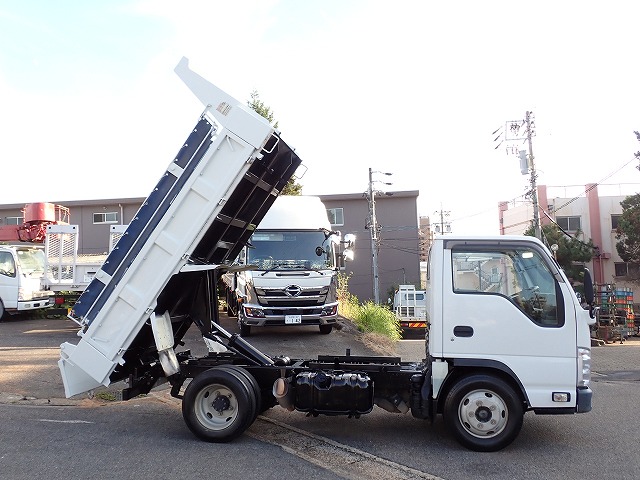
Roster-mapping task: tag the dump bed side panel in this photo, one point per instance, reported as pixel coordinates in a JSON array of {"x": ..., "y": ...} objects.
[{"x": 202, "y": 211}]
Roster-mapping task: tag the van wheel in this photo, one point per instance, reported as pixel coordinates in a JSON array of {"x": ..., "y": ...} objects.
[
  {"x": 483, "y": 412},
  {"x": 2, "y": 310},
  {"x": 219, "y": 405},
  {"x": 326, "y": 329}
]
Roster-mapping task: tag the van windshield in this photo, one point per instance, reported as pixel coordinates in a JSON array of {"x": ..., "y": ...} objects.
[
  {"x": 289, "y": 250},
  {"x": 31, "y": 261}
]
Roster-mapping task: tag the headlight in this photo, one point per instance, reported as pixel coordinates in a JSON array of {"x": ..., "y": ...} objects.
[
  {"x": 253, "y": 312},
  {"x": 24, "y": 296},
  {"x": 584, "y": 367}
]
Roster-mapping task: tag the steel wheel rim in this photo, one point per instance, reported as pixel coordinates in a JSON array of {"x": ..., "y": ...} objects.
[
  {"x": 216, "y": 407},
  {"x": 483, "y": 413}
]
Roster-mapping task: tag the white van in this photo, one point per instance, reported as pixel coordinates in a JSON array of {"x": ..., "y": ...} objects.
[{"x": 22, "y": 270}]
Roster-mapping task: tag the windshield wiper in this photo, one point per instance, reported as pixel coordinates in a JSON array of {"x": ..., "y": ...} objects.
[{"x": 275, "y": 266}]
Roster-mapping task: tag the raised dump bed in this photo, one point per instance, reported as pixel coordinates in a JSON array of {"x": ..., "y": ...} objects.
[{"x": 199, "y": 215}]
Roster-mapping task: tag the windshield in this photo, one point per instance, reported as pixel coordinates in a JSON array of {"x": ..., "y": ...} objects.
[
  {"x": 31, "y": 260},
  {"x": 289, "y": 250}
]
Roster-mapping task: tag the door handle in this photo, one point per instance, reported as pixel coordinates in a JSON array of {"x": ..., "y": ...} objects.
[{"x": 463, "y": 331}]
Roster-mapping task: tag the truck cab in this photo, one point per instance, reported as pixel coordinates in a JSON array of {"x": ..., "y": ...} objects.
[
  {"x": 507, "y": 332},
  {"x": 22, "y": 268},
  {"x": 287, "y": 273}
]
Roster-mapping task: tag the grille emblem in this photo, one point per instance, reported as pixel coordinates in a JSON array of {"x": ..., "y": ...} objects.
[{"x": 293, "y": 290}]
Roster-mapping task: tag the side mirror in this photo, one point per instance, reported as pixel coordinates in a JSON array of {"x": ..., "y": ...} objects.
[
  {"x": 348, "y": 254},
  {"x": 349, "y": 240}
]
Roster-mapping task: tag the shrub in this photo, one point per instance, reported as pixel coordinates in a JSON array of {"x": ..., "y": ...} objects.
[
  {"x": 369, "y": 317},
  {"x": 378, "y": 319}
]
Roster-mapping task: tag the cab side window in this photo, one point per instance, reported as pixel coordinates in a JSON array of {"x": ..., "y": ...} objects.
[
  {"x": 520, "y": 275},
  {"x": 7, "y": 265}
]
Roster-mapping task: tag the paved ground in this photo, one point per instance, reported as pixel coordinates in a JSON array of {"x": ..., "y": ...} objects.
[{"x": 615, "y": 358}]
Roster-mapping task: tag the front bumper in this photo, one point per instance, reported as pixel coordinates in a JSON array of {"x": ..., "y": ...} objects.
[
  {"x": 35, "y": 304},
  {"x": 270, "y": 317},
  {"x": 583, "y": 404}
]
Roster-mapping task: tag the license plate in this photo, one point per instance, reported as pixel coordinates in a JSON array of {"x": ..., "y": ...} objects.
[{"x": 291, "y": 319}]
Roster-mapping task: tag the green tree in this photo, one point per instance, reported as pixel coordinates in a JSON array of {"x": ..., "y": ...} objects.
[
  {"x": 291, "y": 188},
  {"x": 571, "y": 253},
  {"x": 628, "y": 230}
]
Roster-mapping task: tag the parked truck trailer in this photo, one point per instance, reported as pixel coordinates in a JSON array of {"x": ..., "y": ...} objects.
[{"x": 495, "y": 349}]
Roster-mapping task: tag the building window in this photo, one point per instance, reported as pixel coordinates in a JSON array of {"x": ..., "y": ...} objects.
[
  {"x": 336, "y": 216},
  {"x": 13, "y": 220},
  {"x": 627, "y": 269},
  {"x": 614, "y": 221},
  {"x": 105, "y": 217},
  {"x": 570, "y": 224}
]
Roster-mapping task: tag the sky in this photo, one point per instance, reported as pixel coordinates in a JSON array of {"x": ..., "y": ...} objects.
[{"x": 90, "y": 107}]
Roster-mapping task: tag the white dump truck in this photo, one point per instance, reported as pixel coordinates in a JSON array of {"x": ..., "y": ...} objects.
[
  {"x": 410, "y": 307},
  {"x": 495, "y": 350},
  {"x": 22, "y": 278},
  {"x": 295, "y": 259}
]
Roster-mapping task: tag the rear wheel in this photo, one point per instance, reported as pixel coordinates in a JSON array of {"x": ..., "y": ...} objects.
[
  {"x": 252, "y": 382},
  {"x": 326, "y": 329},
  {"x": 2, "y": 310},
  {"x": 483, "y": 412},
  {"x": 219, "y": 404}
]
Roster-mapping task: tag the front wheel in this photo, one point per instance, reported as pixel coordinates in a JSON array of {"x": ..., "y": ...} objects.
[
  {"x": 245, "y": 330},
  {"x": 483, "y": 412},
  {"x": 219, "y": 405},
  {"x": 2, "y": 310},
  {"x": 326, "y": 328}
]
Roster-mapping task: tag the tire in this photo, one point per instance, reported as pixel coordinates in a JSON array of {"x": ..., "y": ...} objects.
[
  {"x": 3, "y": 312},
  {"x": 227, "y": 306},
  {"x": 245, "y": 330},
  {"x": 257, "y": 393},
  {"x": 326, "y": 329},
  {"x": 219, "y": 405},
  {"x": 494, "y": 406}
]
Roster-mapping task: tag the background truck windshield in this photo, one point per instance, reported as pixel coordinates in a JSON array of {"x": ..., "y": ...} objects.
[
  {"x": 289, "y": 250},
  {"x": 31, "y": 260}
]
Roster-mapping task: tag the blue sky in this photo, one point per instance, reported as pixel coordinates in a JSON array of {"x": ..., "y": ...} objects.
[{"x": 91, "y": 108}]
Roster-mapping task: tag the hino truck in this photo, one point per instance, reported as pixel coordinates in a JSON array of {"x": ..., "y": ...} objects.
[
  {"x": 495, "y": 349},
  {"x": 296, "y": 258}
]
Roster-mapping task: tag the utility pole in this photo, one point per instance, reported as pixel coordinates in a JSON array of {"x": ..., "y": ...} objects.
[
  {"x": 513, "y": 132},
  {"x": 533, "y": 180},
  {"x": 373, "y": 230},
  {"x": 445, "y": 227}
]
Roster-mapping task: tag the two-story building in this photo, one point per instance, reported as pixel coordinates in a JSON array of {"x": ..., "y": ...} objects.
[
  {"x": 579, "y": 209},
  {"x": 397, "y": 245}
]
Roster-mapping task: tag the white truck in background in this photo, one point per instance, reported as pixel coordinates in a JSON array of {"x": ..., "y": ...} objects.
[
  {"x": 410, "y": 308},
  {"x": 22, "y": 278},
  {"x": 495, "y": 349},
  {"x": 295, "y": 259}
]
